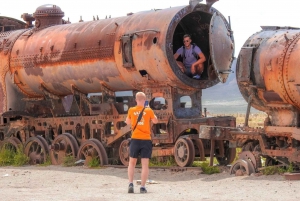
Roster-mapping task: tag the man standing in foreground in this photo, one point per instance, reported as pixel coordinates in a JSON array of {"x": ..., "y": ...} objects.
[{"x": 140, "y": 140}]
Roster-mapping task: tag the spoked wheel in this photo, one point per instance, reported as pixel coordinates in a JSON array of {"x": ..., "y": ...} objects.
[
  {"x": 11, "y": 143},
  {"x": 184, "y": 152},
  {"x": 242, "y": 167},
  {"x": 36, "y": 148},
  {"x": 92, "y": 149},
  {"x": 124, "y": 152},
  {"x": 64, "y": 145}
]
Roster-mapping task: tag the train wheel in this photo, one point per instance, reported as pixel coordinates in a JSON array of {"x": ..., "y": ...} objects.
[
  {"x": 36, "y": 149},
  {"x": 184, "y": 152},
  {"x": 249, "y": 146},
  {"x": 124, "y": 152},
  {"x": 228, "y": 158},
  {"x": 63, "y": 145},
  {"x": 90, "y": 150},
  {"x": 242, "y": 167},
  {"x": 11, "y": 143}
]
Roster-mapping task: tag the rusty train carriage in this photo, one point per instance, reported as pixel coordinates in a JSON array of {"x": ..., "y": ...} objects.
[
  {"x": 268, "y": 78},
  {"x": 60, "y": 83}
]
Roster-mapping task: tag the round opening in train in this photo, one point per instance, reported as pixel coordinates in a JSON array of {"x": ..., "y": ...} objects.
[{"x": 196, "y": 25}]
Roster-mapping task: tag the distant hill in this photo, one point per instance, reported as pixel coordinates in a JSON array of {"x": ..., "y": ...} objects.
[{"x": 225, "y": 98}]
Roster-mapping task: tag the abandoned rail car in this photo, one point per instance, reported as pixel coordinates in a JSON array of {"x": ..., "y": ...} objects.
[{"x": 63, "y": 84}]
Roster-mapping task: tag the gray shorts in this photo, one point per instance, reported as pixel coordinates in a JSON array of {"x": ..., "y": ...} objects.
[{"x": 188, "y": 71}]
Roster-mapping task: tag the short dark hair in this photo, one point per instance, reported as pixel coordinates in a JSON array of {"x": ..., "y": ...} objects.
[{"x": 187, "y": 35}]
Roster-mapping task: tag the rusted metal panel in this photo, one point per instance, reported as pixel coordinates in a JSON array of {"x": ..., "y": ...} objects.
[
  {"x": 245, "y": 60},
  {"x": 221, "y": 46}
]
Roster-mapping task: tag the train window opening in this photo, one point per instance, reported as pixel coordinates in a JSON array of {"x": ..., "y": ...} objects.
[
  {"x": 185, "y": 102},
  {"x": 78, "y": 131},
  {"x": 160, "y": 129},
  {"x": 59, "y": 130},
  {"x": 120, "y": 125},
  {"x": 196, "y": 24},
  {"x": 97, "y": 134},
  {"x": 95, "y": 98},
  {"x": 158, "y": 103},
  {"x": 109, "y": 128}
]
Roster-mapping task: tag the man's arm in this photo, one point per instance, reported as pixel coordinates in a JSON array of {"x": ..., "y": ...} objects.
[
  {"x": 128, "y": 121},
  {"x": 201, "y": 59},
  {"x": 154, "y": 120},
  {"x": 176, "y": 55}
]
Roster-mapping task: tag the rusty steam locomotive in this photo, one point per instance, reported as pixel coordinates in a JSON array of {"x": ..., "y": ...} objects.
[
  {"x": 268, "y": 80},
  {"x": 62, "y": 84}
]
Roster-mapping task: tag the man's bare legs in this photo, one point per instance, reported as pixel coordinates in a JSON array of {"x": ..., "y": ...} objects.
[
  {"x": 131, "y": 166},
  {"x": 145, "y": 171},
  {"x": 197, "y": 69}
]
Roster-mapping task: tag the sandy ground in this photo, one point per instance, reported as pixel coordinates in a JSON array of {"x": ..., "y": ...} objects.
[{"x": 58, "y": 183}]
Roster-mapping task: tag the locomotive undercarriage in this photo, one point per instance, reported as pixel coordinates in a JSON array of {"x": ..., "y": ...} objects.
[
  {"x": 87, "y": 127},
  {"x": 268, "y": 146}
]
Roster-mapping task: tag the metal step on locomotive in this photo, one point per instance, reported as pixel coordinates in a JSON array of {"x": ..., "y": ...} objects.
[{"x": 66, "y": 87}]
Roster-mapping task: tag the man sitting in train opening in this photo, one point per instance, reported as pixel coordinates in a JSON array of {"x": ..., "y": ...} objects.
[{"x": 193, "y": 58}]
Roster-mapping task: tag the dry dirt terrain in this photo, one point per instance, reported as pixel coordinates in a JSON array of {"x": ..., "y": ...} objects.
[{"x": 36, "y": 183}]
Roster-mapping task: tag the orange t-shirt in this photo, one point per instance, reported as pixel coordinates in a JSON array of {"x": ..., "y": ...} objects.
[{"x": 142, "y": 130}]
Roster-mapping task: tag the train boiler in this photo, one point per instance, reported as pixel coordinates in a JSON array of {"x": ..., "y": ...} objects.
[{"x": 66, "y": 87}]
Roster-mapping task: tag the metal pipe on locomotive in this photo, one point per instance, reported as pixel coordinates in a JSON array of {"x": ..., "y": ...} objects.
[{"x": 61, "y": 84}]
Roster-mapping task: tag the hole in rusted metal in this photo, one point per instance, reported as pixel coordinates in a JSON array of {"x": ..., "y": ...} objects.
[
  {"x": 143, "y": 73},
  {"x": 160, "y": 129},
  {"x": 59, "y": 130},
  {"x": 120, "y": 125},
  {"x": 78, "y": 131},
  {"x": 109, "y": 128},
  {"x": 158, "y": 103},
  {"x": 87, "y": 131},
  {"x": 154, "y": 40},
  {"x": 185, "y": 102}
]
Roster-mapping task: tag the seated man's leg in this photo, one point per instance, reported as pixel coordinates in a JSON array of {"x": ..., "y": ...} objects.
[
  {"x": 199, "y": 69},
  {"x": 181, "y": 66}
]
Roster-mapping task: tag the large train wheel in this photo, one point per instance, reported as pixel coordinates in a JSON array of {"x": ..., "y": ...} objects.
[
  {"x": 184, "y": 152},
  {"x": 11, "y": 143},
  {"x": 36, "y": 149},
  {"x": 124, "y": 152},
  {"x": 92, "y": 149},
  {"x": 63, "y": 145},
  {"x": 229, "y": 157}
]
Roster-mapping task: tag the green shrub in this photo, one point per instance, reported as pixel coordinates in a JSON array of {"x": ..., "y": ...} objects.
[
  {"x": 162, "y": 161},
  {"x": 206, "y": 168},
  {"x": 6, "y": 157},
  {"x": 271, "y": 170},
  {"x": 47, "y": 162},
  {"x": 20, "y": 158},
  {"x": 10, "y": 156},
  {"x": 69, "y": 161},
  {"x": 94, "y": 162}
]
